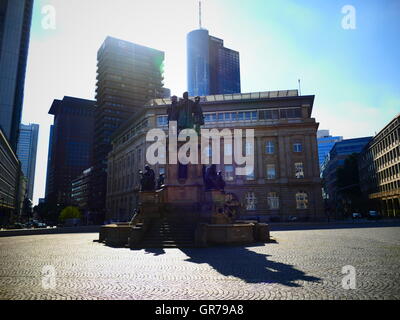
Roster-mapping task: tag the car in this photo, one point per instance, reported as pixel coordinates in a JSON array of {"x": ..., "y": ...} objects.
[
  {"x": 17, "y": 225},
  {"x": 374, "y": 215},
  {"x": 356, "y": 215},
  {"x": 293, "y": 219}
]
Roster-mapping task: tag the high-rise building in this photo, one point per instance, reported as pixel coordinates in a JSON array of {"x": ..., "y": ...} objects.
[
  {"x": 10, "y": 182},
  {"x": 325, "y": 144},
  {"x": 15, "y": 22},
  {"x": 71, "y": 146},
  {"x": 379, "y": 167},
  {"x": 128, "y": 76},
  {"x": 329, "y": 170},
  {"x": 26, "y": 152},
  {"x": 49, "y": 175},
  {"x": 212, "y": 68}
]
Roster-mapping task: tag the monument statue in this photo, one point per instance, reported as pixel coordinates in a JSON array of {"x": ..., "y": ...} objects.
[
  {"x": 214, "y": 180},
  {"x": 187, "y": 113},
  {"x": 147, "y": 180},
  {"x": 173, "y": 109},
  {"x": 161, "y": 181}
]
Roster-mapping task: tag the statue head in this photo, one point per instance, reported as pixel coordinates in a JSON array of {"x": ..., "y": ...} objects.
[
  {"x": 147, "y": 167},
  {"x": 186, "y": 95}
]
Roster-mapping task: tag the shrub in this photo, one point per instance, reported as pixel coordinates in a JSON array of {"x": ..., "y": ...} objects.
[{"x": 70, "y": 213}]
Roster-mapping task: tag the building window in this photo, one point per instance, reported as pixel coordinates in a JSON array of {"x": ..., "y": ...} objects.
[
  {"x": 251, "y": 201},
  {"x": 271, "y": 172},
  {"x": 228, "y": 149},
  {"x": 270, "y": 147},
  {"x": 299, "y": 170},
  {"x": 273, "y": 200},
  {"x": 249, "y": 148},
  {"x": 162, "y": 121},
  {"x": 297, "y": 147},
  {"x": 207, "y": 151},
  {"x": 251, "y": 175},
  {"x": 301, "y": 200},
  {"x": 229, "y": 176}
]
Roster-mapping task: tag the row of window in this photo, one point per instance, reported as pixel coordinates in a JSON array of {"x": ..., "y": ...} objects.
[
  {"x": 301, "y": 198},
  {"x": 274, "y": 114},
  {"x": 251, "y": 201},
  {"x": 229, "y": 172},
  {"x": 387, "y": 142},
  {"x": 270, "y": 147}
]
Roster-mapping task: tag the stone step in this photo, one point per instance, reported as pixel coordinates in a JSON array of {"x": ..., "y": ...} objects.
[{"x": 169, "y": 233}]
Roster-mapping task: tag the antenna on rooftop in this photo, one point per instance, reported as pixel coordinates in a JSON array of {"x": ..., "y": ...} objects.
[
  {"x": 299, "y": 87},
  {"x": 199, "y": 14}
]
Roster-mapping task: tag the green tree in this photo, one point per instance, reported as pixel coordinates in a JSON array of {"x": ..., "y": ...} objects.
[{"x": 70, "y": 213}]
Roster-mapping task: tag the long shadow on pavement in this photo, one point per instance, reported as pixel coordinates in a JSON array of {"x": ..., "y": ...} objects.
[{"x": 248, "y": 265}]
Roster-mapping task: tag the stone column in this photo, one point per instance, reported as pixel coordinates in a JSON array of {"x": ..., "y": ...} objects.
[{"x": 258, "y": 161}]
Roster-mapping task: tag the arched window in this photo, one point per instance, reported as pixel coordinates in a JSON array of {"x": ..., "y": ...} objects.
[
  {"x": 273, "y": 200},
  {"x": 301, "y": 200}
]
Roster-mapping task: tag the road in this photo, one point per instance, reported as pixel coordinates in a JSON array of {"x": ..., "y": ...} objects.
[{"x": 301, "y": 264}]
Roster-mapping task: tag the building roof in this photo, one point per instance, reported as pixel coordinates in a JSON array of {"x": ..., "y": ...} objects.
[
  {"x": 234, "y": 97},
  {"x": 71, "y": 102}
]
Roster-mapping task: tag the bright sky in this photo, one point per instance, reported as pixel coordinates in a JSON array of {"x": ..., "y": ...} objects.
[{"x": 354, "y": 73}]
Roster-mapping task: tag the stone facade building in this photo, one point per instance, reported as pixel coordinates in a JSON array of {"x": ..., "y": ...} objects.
[
  {"x": 286, "y": 178},
  {"x": 379, "y": 167}
]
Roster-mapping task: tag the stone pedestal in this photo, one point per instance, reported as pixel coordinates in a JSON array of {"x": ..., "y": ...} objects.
[{"x": 150, "y": 204}]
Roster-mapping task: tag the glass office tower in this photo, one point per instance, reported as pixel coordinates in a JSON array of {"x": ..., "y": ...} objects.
[
  {"x": 212, "y": 68},
  {"x": 15, "y": 22},
  {"x": 26, "y": 152},
  {"x": 325, "y": 144}
]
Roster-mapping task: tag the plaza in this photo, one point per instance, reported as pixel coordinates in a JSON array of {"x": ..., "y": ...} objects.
[{"x": 299, "y": 264}]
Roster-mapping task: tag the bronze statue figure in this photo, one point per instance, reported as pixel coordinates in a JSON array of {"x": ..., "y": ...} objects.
[
  {"x": 214, "y": 180},
  {"x": 161, "y": 181},
  {"x": 188, "y": 114},
  {"x": 147, "y": 181},
  {"x": 173, "y": 109}
]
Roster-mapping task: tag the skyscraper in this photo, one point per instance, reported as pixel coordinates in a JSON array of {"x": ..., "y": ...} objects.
[
  {"x": 325, "y": 144},
  {"x": 26, "y": 152},
  {"x": 128, "y": 76},
  {"x": 71, "y": 146},
  {"x": 212, "y": 68},
  {"x": 15, "y": 22}
]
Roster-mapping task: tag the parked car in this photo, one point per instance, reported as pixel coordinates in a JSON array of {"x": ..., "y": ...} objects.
[
  {"x": 17, "y": 225},
  {"x": 356, "y": 215},
  {"x": 37, "y": 224},
  {"x": 293, "y": 219},
  {"x": 374, "y": 215}
]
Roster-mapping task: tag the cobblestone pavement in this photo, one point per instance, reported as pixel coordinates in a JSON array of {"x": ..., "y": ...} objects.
[{"x": 305, "y": 264}]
